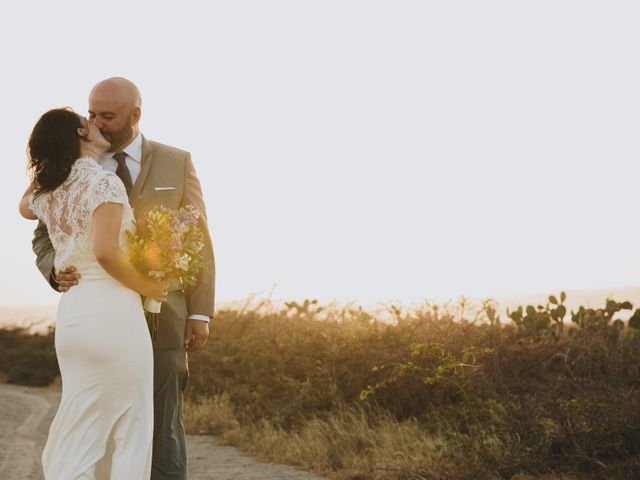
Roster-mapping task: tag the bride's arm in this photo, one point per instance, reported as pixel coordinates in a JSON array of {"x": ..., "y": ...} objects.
[
  {"x": 105, "y": 240},
  {"x": 25, "y": 209}
]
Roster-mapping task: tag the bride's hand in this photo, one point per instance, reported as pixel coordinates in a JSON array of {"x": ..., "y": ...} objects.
[{"x": 156, "y": 289}]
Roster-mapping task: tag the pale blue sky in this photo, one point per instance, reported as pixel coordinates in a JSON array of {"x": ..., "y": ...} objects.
[{"x": 361, "y": 150}]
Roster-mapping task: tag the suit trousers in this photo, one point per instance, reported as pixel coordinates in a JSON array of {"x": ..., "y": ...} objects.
[{"x": 170, "y": 377}]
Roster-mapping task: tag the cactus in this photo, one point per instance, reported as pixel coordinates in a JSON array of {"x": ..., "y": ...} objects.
[{"x": 541, "y": 318}]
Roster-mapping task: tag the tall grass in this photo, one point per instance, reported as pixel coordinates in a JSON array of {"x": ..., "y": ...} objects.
[{"x": 437, "y": 393}]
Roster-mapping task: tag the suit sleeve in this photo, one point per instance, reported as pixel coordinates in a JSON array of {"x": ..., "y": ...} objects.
[
  {"x": 200, "y": 297},
  {"x": 45, "y": 254}
]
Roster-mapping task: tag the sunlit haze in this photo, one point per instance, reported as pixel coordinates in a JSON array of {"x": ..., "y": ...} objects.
[{"x": 361, "y": 150}]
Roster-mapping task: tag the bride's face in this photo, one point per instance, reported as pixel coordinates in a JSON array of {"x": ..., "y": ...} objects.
[{"x": 94, "y": 136}]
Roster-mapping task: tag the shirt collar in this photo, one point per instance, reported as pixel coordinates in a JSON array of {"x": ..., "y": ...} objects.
[{"x": 134, "y": 149}]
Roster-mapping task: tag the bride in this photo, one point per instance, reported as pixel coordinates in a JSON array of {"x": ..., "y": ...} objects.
[{"x": 104, "y": 425}]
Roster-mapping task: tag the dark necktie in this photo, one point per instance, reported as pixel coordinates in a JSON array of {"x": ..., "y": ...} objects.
[{"x": 123, "y": 171}]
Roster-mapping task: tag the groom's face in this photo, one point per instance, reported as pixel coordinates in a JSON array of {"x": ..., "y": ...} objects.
[{"x": 116, "y": 120}]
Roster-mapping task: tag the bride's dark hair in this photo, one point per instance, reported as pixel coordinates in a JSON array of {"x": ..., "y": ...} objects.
[{"x": 53, "y": 148}]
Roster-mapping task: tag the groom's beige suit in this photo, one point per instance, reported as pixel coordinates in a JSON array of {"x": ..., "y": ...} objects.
[{"x": 167, "y": 177}]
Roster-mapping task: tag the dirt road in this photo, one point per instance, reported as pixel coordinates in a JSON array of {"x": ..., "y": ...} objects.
[{"x": 25, "y": 415}]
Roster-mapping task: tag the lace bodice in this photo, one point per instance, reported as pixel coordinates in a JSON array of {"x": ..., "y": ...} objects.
[{"x": 68, "y": 212}]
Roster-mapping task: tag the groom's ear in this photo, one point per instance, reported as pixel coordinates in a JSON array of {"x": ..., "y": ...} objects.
[{"x": 137, "y": 113}]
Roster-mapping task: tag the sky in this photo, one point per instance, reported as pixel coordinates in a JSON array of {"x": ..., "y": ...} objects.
[{"x": 360, "y": 150}]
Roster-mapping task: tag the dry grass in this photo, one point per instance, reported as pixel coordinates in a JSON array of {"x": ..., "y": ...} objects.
[
  {"x": 352, "y": 446},
  {"x": 209, "y": 415}
]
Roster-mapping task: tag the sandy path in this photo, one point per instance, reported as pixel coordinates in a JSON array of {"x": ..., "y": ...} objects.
[{"x": 25, "y": 415}]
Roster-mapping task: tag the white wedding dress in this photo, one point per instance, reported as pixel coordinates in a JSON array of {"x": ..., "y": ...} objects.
[{"x": 104, "y": 425}]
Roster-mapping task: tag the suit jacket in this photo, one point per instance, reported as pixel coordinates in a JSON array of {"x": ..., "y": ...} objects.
[{"x": 161, "y": 166}]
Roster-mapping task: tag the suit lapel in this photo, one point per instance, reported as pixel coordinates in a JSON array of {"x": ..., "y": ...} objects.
[{"x": 145, "y": 165}]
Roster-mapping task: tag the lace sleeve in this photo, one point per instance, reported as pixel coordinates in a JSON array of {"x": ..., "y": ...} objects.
[
  {"x": 108, "y": 189},
  {"x": 37, "y": 204}
]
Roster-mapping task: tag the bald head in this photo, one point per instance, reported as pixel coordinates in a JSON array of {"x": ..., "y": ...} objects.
[
  {"x": 118, "y": 89},
  {"x": 115, "y": 108}
]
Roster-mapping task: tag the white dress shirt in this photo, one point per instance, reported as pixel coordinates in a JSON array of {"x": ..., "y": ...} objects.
[
  {"x": 133, "y": 162},
  {"x": 134, "y": 157}
]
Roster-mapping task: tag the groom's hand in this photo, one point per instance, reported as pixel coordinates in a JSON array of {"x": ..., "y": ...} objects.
[
  {"x": 67, "y": 278},
  {"x": 196, "y": 334}
]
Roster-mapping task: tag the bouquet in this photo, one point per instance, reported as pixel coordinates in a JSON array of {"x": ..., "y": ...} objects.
[{"x": 167, "y": 246}]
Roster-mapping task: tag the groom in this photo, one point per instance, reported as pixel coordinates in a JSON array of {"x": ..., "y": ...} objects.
[{"x": 153, "y": 174}]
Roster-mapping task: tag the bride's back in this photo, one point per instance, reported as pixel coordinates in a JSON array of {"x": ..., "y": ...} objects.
[{"x": 68, "y": 210}]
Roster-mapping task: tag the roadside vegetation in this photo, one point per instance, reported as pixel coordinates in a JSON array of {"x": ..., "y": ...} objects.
[{"x": 435, "y": 392}]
